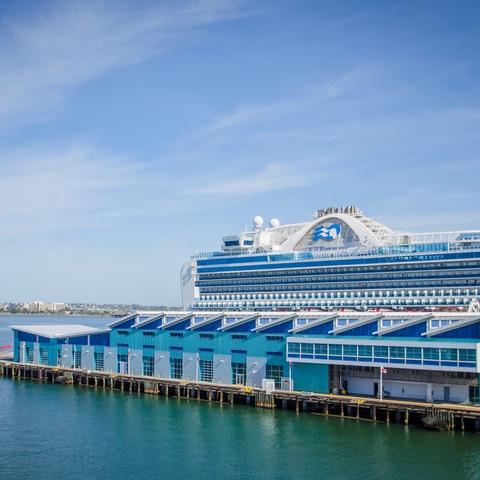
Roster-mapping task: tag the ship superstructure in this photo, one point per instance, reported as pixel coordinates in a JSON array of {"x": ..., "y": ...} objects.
[{"x": 339, "y": 260}]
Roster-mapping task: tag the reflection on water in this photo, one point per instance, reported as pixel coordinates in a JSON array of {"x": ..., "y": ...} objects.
[{"x": 70, "y": 432}]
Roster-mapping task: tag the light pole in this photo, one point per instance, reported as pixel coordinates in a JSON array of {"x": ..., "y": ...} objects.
[
  {"x": 382, "y": 371},
  {"x": 197, "y": 361}
]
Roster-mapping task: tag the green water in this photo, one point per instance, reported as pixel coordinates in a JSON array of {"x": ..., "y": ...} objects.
[{"x": 52, "y": 431}]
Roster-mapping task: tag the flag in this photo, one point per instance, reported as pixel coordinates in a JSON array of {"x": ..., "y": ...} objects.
[{"x": 383, "y": 369}]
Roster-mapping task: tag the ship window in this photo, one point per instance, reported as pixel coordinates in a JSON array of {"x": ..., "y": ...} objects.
[{"x": 231, "y": 243}]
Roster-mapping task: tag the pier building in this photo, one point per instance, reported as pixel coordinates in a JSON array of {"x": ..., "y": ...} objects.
[{"x": 430, "y": 356}]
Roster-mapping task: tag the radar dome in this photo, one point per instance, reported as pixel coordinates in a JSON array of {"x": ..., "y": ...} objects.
[
  {"x": 257, "y": 221},
  {"x": 274, "y": 222}
]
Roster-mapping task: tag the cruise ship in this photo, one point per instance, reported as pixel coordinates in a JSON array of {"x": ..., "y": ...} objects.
[{"x": 340, "y": 260}]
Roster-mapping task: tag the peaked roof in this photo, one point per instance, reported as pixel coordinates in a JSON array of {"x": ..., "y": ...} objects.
[
  {"x": 59, "y": 331},
  {"x": 278, "y": 321},
  {"x": 208, "y": 320},
  {"x": 150, "y": 319},
  {"x": 121, "y": 320},
  {"x": 401, "y": 326},
  {"x": 356, "y": 324},
  {"x": 322, "y": 318},
  {"x": 242, "y": 321},
  {"x": 178, "y": 320},
  {"x": 452, "y": 326}
]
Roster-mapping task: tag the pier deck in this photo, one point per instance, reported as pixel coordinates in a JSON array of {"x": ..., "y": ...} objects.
[{"x": 443, "y": 416}]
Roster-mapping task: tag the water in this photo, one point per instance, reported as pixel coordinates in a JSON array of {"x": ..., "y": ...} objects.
[{"x": 70, "y": 432}]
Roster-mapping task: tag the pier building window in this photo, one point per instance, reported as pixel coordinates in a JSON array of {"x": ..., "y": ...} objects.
[
  {"x": 449, "y": 354},
  {"x": 77, "y": 359},
  {"x": 380, "y": 352},
  {"x": 467, "y": 355},
  {"x": 397, "y": 352},
  {"x": 335, "y": 350},
  {"x": 123, "y": 332},
  {"x": 208, "y": 336},
  {"x": 350, "y": 350},
  {"x": 239, "y": 337},
  {"x": 414, "y": 353},
  {"x": 430, "y": 353},
  {"x": 122, "y": 363},
  {"x": 176, "y": 368},
  {"x": 29, "y": 354},
  {"x": 239, "y": 373},
  {"x": 148, "y": 334},
  {"x": 293, "y": 348},
  {"x": 307, "y": 348},
  {"x": 321, "y": 349},
  {"x": 176, "y": 334},
  {"x": 148, "y": 366},
  {"x": 275, "y": 372},
  {"x": 365, "y": 350},
  {"x": 99, "y": 361},
  {"x": 274, "y": 338},
  {"x": 44, "y": 356},
  {"x": 59, "y": 356},
  {"x": 206, "y": 370}
]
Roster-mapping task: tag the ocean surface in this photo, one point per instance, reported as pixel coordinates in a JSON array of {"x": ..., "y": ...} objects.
[{"x": 56, "y": 431}]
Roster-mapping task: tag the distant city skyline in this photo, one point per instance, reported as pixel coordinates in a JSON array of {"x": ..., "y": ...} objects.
[{"x": 133, "y": 134}]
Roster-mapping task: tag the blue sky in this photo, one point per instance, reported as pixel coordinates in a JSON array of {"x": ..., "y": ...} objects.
[{"x": 133, "y": 134}]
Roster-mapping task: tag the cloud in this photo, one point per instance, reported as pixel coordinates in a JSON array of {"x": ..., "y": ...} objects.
[
  {"x": 310, "y": 99},
  {"x": 68, "y": 43},
  {"x": 274, "y": 176},
  {"x": 42, "y": 187}
]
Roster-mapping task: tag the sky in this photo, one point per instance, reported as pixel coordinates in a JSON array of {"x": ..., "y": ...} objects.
[{"x": 134, "y": 134}]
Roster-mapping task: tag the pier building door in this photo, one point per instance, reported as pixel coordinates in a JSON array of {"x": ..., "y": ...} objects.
[
  {"x": 375, "y": 389},
  {"x": 239, "y": 379},
  {"x": 446, "y": 394}
]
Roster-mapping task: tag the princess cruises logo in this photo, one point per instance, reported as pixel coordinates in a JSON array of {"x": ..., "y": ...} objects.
[{"x": 326, "y": 233}]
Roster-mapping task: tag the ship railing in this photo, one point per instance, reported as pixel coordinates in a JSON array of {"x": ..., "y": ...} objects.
[{"x": 388, "y": 250}]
